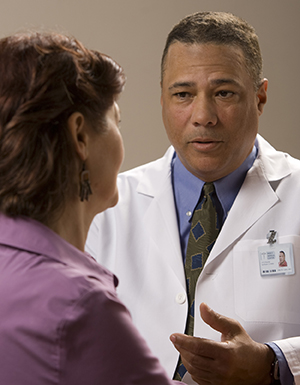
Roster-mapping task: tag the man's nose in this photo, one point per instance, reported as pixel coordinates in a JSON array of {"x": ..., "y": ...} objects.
[{"x": 204, "y": 112}]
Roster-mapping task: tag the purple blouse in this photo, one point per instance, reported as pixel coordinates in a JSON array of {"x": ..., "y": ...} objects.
[{"x": 61, "y": 321}]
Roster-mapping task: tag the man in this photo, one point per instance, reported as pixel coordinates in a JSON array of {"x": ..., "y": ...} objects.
[
  {"x": 212, "y": 94},
  {"x": 282, "y": 261}
]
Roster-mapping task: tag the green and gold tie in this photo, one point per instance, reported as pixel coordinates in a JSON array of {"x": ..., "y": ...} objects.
[{"x": 203, "y": 234}]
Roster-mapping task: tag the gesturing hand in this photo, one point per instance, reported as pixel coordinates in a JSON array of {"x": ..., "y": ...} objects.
[{"x": 236, "y": 360}]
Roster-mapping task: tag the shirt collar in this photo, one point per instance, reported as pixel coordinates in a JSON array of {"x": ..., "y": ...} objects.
[
  {"x": 228, "y": 187},
  {"x": 32, "y": 236}
]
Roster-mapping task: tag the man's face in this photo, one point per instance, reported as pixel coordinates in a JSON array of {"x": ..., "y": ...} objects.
[
  {"x": 281, "y": 257},
  {"x": 210, "y": 108}
]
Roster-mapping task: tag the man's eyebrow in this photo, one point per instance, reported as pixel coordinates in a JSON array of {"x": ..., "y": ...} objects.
[
  {"x": 224, "y": 81},
  {"x": 213, "y": 82},
  {"x": 182, "y": 84}
]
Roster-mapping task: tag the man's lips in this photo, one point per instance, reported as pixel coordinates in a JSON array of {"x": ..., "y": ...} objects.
[
  {"x": 205, "y": 140},
  {"x": 205, "y": 144}
]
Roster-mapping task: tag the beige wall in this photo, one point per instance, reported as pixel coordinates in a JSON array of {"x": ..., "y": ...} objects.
[{"x": 133, "y": 32}]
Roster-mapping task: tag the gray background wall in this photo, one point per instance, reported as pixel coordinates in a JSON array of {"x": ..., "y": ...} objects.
[{"x": 133, "y": 32}]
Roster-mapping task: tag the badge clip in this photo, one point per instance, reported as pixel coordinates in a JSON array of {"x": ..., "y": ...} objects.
[{"x": 272, "y": 237}]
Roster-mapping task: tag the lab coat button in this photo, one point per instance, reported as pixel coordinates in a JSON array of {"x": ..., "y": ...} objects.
[{"x": 180, "y": 298}]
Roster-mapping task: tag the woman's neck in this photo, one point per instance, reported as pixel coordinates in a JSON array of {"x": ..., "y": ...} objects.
[{"x": 73, "y": 224}]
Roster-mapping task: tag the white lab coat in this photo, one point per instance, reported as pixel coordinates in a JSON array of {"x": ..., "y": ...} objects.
[{"x": 138, "y": 240}]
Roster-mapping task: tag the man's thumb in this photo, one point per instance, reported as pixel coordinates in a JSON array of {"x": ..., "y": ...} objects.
[{"x": 227, "y": 326}]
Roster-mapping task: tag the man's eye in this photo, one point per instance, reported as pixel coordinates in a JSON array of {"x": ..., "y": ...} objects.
[
  {"x": 225, "y": 94},
  {"x": 182, "y": 95}
]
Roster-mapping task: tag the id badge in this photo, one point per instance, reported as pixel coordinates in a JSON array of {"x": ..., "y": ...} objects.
[{"x": 276, "y": 258}]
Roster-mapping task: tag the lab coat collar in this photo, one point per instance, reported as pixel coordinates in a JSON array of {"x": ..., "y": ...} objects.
[{"x": 157, "y": 176}]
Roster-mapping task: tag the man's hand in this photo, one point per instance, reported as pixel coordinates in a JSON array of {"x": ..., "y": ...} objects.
[{"x": 236, "y": 360}]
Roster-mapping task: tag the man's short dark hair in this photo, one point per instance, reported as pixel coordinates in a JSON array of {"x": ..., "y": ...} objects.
[{"x": 218, "y": 28}]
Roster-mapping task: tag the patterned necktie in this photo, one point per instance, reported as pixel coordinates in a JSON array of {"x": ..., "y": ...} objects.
[{"x": 203, "y": 234}]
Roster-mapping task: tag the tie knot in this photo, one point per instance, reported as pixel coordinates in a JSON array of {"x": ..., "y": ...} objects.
[{"x": 208, "y": 188}]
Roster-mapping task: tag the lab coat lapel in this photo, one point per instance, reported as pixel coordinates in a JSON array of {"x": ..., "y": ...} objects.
[
  {"x": 242, "y": 214},
  {"x": 160, "y": 217},
  {"x": 255, "y": 198}
]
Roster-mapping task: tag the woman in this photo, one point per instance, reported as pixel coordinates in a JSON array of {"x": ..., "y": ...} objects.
[{"x": 61, "y": 150}]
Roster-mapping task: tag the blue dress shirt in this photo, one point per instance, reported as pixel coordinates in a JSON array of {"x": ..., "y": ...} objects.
[{"x": 187, "y": 189}]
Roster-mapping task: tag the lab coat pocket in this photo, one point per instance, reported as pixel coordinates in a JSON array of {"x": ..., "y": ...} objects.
[{"x": 271, "y": 299}]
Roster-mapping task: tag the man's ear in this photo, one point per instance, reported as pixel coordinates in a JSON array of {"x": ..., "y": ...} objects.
[
  {"x": 77, "y": 126},
  {"x": 161, "y": 91},
  {"x": 262, "y": 95}
]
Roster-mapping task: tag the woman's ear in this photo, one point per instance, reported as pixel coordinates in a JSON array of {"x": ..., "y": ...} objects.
[{"x": 77, "y": 126}]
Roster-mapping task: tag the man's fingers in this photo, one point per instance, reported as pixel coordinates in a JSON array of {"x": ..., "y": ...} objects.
[
  {"x": 227, "y": 326},
  {"x": 189, "y": 343},
  {"x": 194, "y": 345},
  {"x": 201, "y": 368}
]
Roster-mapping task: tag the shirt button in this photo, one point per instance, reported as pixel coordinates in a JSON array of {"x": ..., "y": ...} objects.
[{"x": 180, "y": 298}]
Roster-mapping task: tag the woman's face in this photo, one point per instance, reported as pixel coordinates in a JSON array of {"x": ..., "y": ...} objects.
[{"x": 105, "y": 157}]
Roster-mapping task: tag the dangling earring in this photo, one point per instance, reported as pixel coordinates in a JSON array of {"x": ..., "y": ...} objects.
[{"x": 85, "y": 187}]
